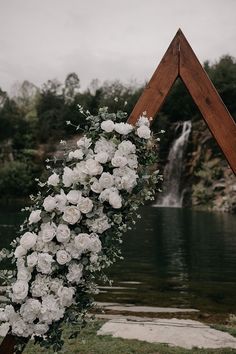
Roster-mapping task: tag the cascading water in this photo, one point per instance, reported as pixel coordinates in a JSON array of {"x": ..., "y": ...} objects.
[{"x": 172, "y": 195}]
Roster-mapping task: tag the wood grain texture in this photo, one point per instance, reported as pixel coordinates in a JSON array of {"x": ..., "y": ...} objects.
[
  {"x": 211, "y": 106},
  {"x": 160, "y": 84}
]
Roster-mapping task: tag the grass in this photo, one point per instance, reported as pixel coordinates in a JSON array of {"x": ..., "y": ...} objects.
[{"x": 89, "y": 343}]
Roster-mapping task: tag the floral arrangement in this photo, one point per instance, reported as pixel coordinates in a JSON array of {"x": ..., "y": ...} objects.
[{"x": 75, "y": 225}]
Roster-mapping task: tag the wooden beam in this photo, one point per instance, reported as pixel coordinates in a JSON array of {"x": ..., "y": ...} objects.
[
  {"x": 160, "y": 84},
  {"x": 211, "y": 106}
]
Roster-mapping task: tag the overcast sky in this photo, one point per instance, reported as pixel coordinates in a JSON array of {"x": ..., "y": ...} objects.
[{"x": 106, "y": 39}]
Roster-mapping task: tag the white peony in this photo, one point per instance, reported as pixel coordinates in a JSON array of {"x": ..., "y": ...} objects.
[
  {"x": 75, "y": 272},
  {"x": 95, "y": 244},
  {"x": 115, "y": 200},
  {"x": 50, "y": 310},
  {"x": 68, "y": 177},
  {"x": 93, "y": 167},
  {"x": 82, "y": 242},
  {"x": 30, "y": 310},
  {"x": 28, "y": 240},
  {"x": 126, "y": 147},
  {"x": 53, "y": 180},
  {"x": 85, "y": 205},
  {"x": 84, "y": 142},
  {"x": 20, "y": 252},
  {"x": 34, "y": 216},
  {"x": 32, "y": 259},
  {"x": 102, "y": 157},
  {"x": 20, "y": 290},
  {"x": 48, "y": 231},
  {"x": 107, "y": 146},
  {"x": 98, "y": 225},
  {"x": 144, "y": 132},
  {"x": 119, "y": 160},
  {"x": 63, "y": 233},
  {"x": 40, "y": 286},
  {"x": 71, "y": 215},
  {"x": 63, "y": 257},
  {"x": 49, "y": 203},
  {"x": 123, "y": 128},
  {"x": 108, "y": 126},
  {"x": 77, "y": 154},
  {"x": 44, "y": 264},
  {"x": 65, "y": 296},
  {"x": 106, "y": 180},
  {"x": 20, "y": 328},
  {"x": 23, "y": 273},
  {"x": 80, "y": 173},
  {"x": 73, "y": 196},
  {"x": 95, "y": 186}
]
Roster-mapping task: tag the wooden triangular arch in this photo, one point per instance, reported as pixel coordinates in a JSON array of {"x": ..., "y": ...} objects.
[{"x": 180, "y": 61}]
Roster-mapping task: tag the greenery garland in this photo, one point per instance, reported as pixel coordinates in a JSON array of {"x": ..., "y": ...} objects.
[{"x": 75, "y": 226}]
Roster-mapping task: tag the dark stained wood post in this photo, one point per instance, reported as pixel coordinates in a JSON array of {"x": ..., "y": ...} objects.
[{"x": 179, "y": 61}]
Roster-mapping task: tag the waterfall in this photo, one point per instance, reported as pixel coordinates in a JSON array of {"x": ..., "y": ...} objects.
[{"x": 172, "y": 195}]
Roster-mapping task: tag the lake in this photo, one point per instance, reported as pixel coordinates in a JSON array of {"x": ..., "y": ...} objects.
[{"x": 174, "y": 257}]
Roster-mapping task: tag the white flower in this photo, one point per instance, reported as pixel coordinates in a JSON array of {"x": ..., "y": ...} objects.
[
  {"x": 77, "y": 154},
  {"x": 68, "y": 177},
  {"x": 95, "y": 244},
  {"x": 55, "y": 284},
  {"x": 61, "y": 201},
  {"x": 20, "y": 328},
  {"x": 50, "y": 310},
  {"x": 23, "y": 273},
  {"x": 119, "y": 160},
  {"x": 106, "y": 180},
  {"x": 74, "y": 196},
  {"x": 93, "y": 167},
  {"x": 129, "y": 182},
  {"x": 65, "y": 296},
  {"x": 96, "y": 187},
  {"x": 32, "y": 259},
  {"x": 132, "y": 161},
  {"x": 143, "y": 121},
  {"x": 98, "y": 225},
  {"x": 63, "y": 233},
  {"x": 30, "y": 310},
  {"x": 4, "y": 328},
  {"x": 123, "y": 128},
  {"x": 20, "y": 290},
  {"x": 40, "y": 286},
  {"x": 71, "y": 215},
  {"x": 126, "y": 147},
  {"x": 85, "y": 205},
  {"x": 80, "y": 173},
  {"x": 82, "y": 242},
  {"x": 49, "y": 203},
  {"x": 75, "y": 273},
  {"x": 84, "y": 142},
  {"x": 53, "y": 180},
  {"x": 20, "y": 252},
  {"x": 48, "y": 231},
  {"x": 40, "y": 329},
  {"x": 115, "y": 200},
  {"x": 108, "y": 126},
  {"x": 107, "y": 146},
  {"x": 34, "y": 216},
  {"x": 44, "y": 264},
  {"x": 28, "y": 240},
  {"x": 102, "y": 157},
  {"x": 144, "y": 132},
  {"x": 63, "y": 257}
]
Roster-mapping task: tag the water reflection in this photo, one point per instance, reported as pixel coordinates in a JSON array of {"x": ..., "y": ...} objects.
[{"x": 174, "y": 257}]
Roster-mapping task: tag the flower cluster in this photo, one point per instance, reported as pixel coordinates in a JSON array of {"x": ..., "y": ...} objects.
[{"x": 75, "y": 225}]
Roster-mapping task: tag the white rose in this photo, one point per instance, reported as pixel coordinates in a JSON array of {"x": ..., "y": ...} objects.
[
  {"x": 49, "y": 203},
  {"x": 108, "y": 126},
  {"x": 128, "y": 182},
  {"x": 93, "y": 167},
  {"x": 143, "y": 121},
  {"x": 75, "y": 272},
  {"x": 106, "y": 180},
  {"x": 95, "y": 186},
  {"x": 63, "y": 257},
  {"x": 30, "y": 310},
  {"x": 144, "y": 132},
  {"x": 55, "y": 284},
  {"x": 71, "y": 215},
  {"x": 20, "y": 328},
  {"x": 119, "y": 160},
  {"x": 23, "y": 273},
  {"x": 48, "y": 231},
  {"x": 95, "y": 244},
  {"x": 102, "y": 157},
  {"x": 80, "y": 173},
  {"x": 115, "y": 200},
  {"x": 107, "y": 146},
  {"x": 63, "y": 233},
  {"x": 34, "y": 216},
  {"x": 40, "y": 329},
  {"x": 82, "y": 242},
  {"x": 32, "y": 259},
  {"x": 40, "y": 286},
  {"x": 78, "y": 154},
  {"x": 50, "y": 310},
  {"x": 98, "y": 225},
  {"x": 123, "y": 128},
  {"x": 28, "y": 240},
  {"x": 4, "y": 328},
  {"x": 85, "y": 205},
  {"x": 132, "y": 161},
  {"x": 61, "y": 201},
  {"x": 53, "y": 180},
  {"x": 65, "y": 296},
  {"x": 44, "y": 264},
  {"x": 20, "y": 290},
  {"x": 126, "y": 147},
  {"x": 74, "y": 196},
  {"x": 84, "y": 142},
  {"x": 20, "y": 252},
  {"x": 68, "y": 177}
]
